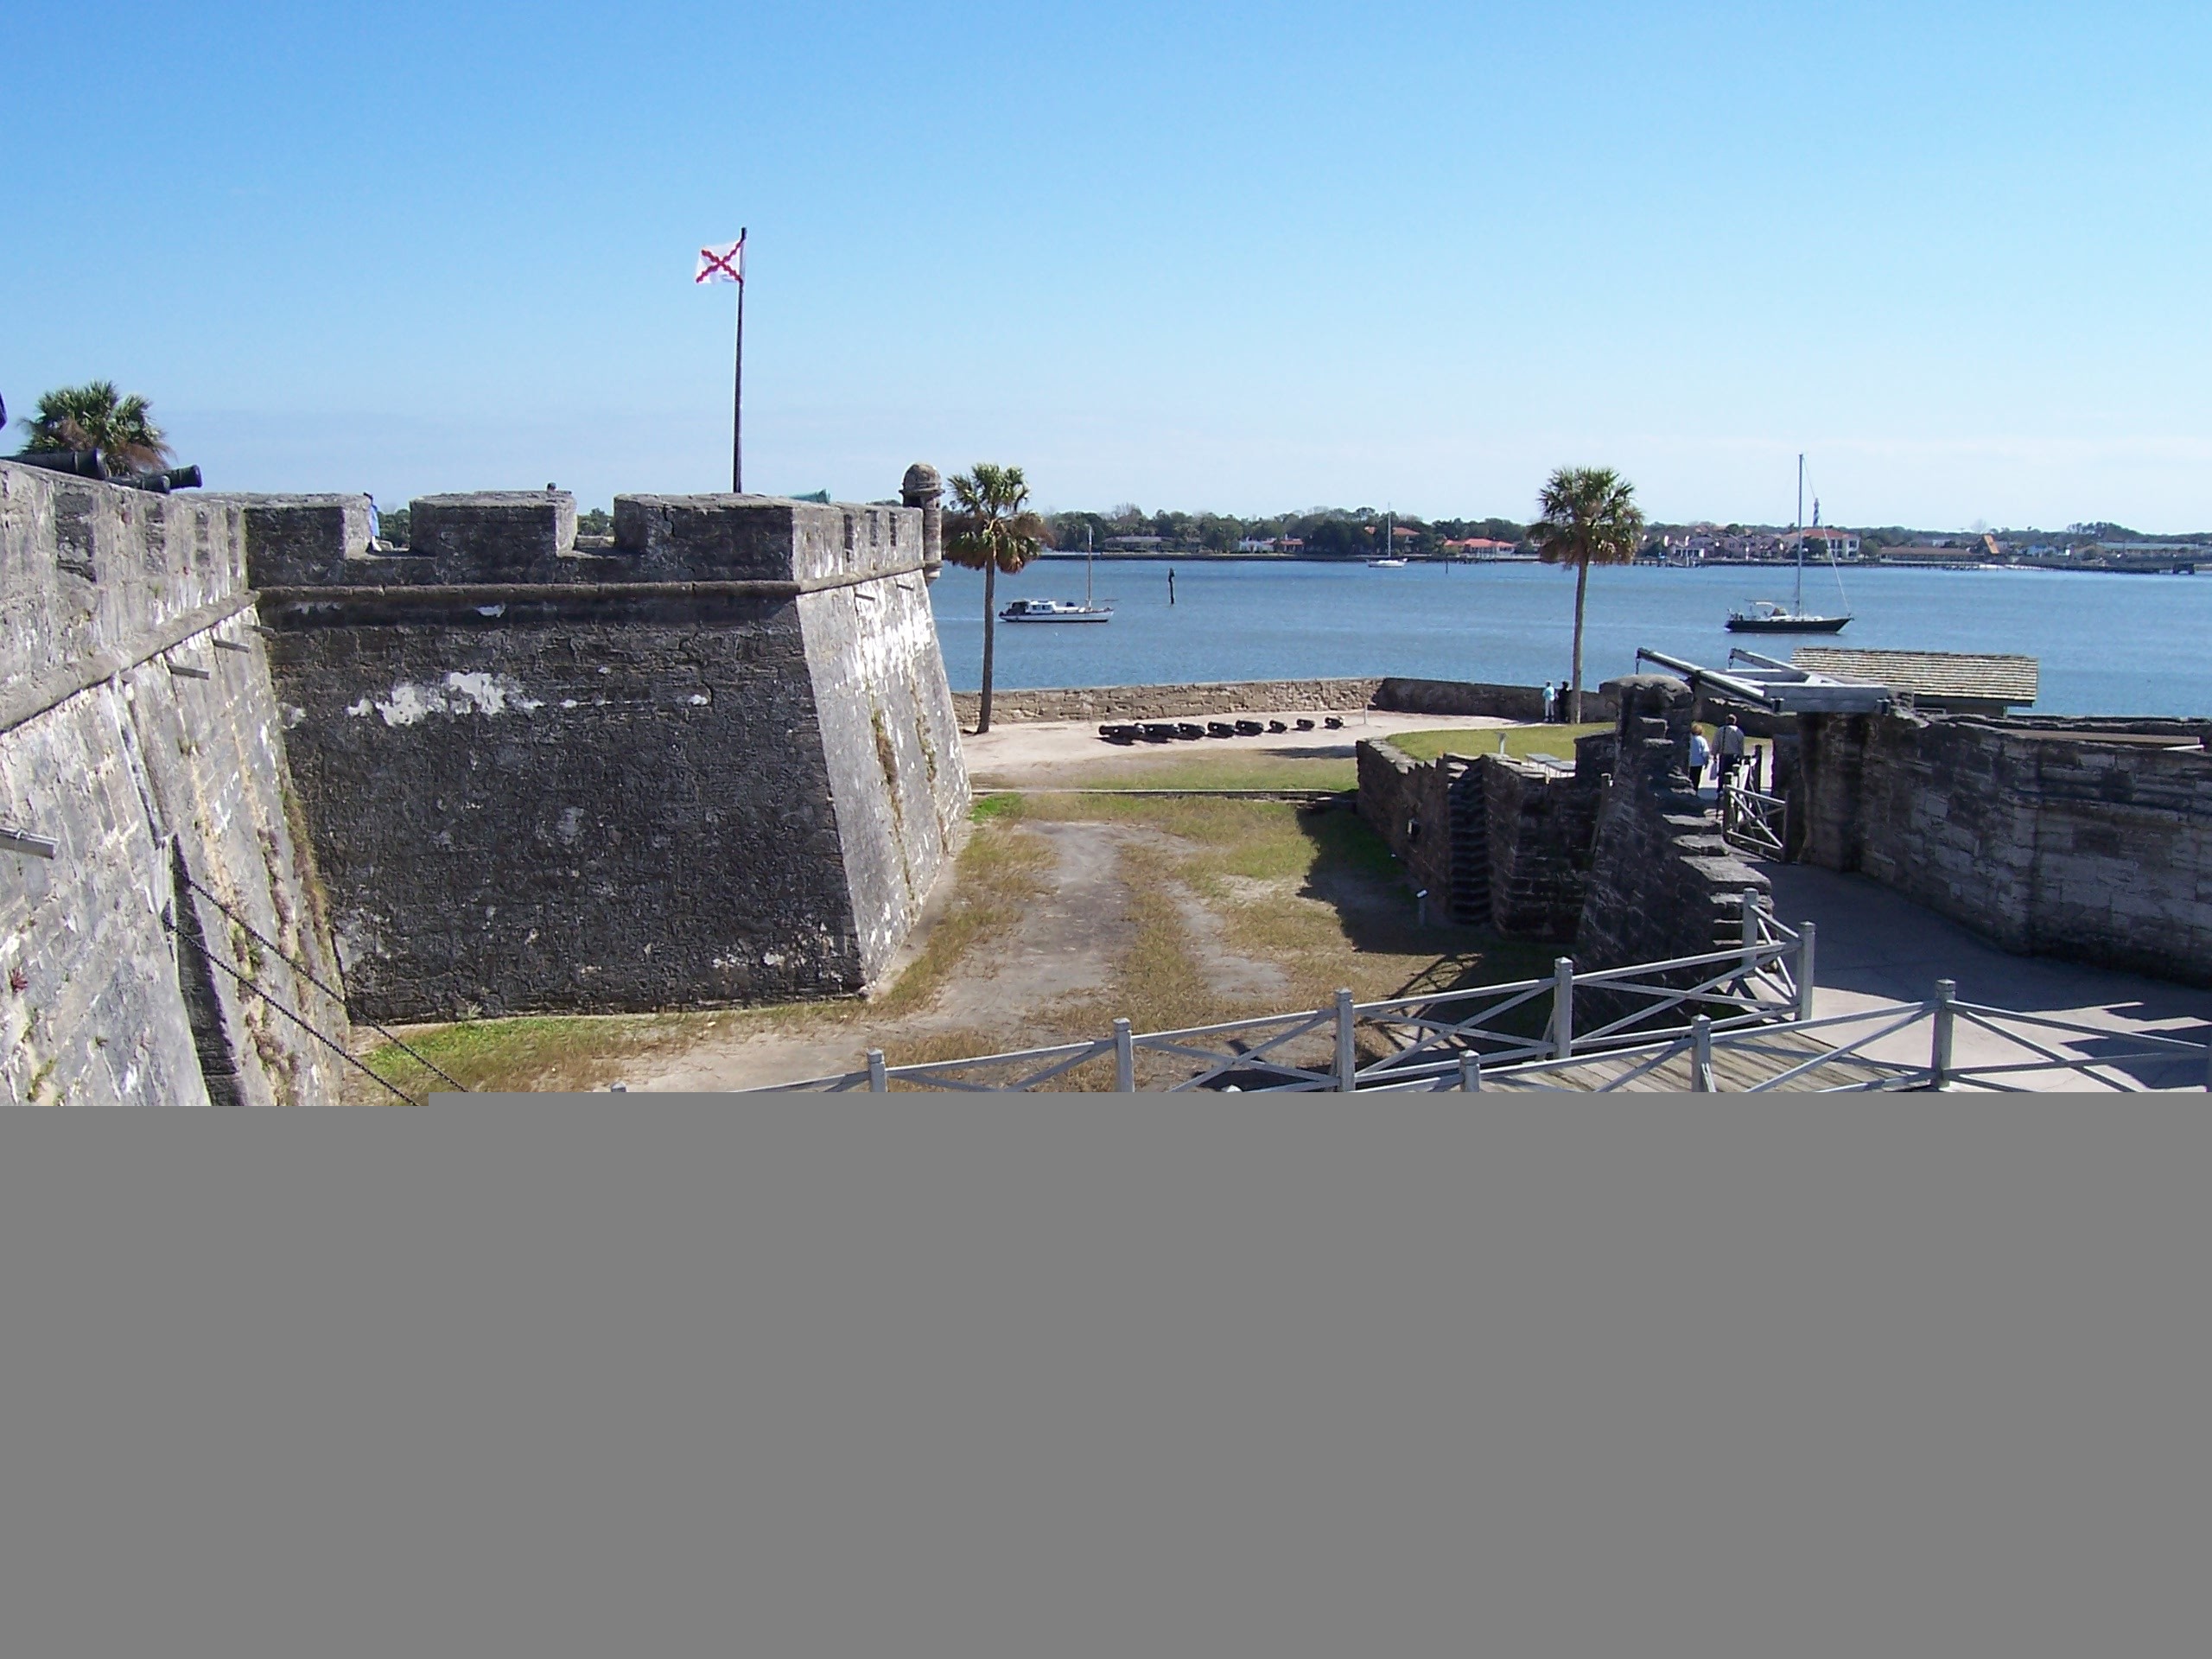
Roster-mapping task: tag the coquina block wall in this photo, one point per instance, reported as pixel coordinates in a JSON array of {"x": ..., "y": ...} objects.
[
  {"x": 1525, "y": 871},
  {"x": 1540, "y": 831},
  {"x": 1663, "y": 882},
  {"x": 718, "y": 763},
  {"x": 152, "y": 862},
  {"x": 1408, "y": 803},
  {"x": 2092, "y": 842},
  {"x": 1618, "y": 858}
]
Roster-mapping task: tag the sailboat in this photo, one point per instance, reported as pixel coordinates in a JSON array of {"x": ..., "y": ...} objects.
[
  {"x": 1769, "y": 616},
  {"x": 1062, "y": 610},
  {"x": 1389, "y": 559}
]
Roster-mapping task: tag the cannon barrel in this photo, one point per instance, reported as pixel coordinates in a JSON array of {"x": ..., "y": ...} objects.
[
  {"x": 77, "y": 463},
  {"x": 177, "y": 478}
]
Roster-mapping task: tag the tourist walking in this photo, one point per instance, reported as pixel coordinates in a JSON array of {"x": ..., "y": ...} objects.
[
  {"x": 1732, "y": 752},
  {"x": 1701, "y": 752},
  {"x": 1551, "y": 703}
]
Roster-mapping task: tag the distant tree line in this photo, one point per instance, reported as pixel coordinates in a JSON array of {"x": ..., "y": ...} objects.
[{"x": 1324, "y": 533}]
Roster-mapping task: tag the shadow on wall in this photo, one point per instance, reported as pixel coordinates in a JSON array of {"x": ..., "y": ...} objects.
[{"x": 1466, "y": 957}]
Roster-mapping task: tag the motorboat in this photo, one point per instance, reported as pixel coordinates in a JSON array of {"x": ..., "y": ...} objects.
[
  {"x": 1055, "y": 610},
  {"x": 1062, "y": 610},
  {"x": 1386, "y": 564}
]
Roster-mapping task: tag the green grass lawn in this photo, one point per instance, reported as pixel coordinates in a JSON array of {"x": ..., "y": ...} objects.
[
  {"x": 1316, "y": 895},
  {"x": 1248, "y": 769},
  {"x": 527, "y": 1051},
  {"x": 1521, "y": 741}
]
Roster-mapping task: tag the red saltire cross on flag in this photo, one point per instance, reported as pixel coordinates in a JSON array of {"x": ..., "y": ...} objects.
[{"x": 725, "y": 264}]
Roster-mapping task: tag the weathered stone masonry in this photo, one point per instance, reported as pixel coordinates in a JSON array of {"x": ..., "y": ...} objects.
[
  {"x": 718, "y": 763},
  {"x": 138, "y": 733},
  {"x": 2087, "y": 840},
  {"x": 1616, "y": 860},
  {"x": 1663, "y": 884}
]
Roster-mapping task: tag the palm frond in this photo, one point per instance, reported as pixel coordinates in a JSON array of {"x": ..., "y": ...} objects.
[
  {"x": 1586, "y": 515},
  {"x": 991, "y": 522},
  {"x": 95, "y": 415}
]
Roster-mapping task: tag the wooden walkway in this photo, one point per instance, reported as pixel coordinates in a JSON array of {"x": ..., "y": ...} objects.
[{"x": 1740, "y": 1065}]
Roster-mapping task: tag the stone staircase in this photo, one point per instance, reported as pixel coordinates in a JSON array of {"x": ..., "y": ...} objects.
[{"x": 1470, "y": 844}]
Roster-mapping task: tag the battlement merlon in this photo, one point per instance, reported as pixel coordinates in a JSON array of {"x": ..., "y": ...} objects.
[
  {"x": 510, "y": 538},
  {"x": 741, "y": 537}
]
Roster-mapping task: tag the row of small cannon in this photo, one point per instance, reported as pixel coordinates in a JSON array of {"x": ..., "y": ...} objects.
[
  {"x": 1184, "y": 730},
  {"x": 87, "y": 463}
]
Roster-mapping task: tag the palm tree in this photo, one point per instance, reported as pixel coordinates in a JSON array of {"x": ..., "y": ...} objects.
[
  {"x": 992, "y": 529},
  {"x": 1585, "y": 516},
  {"x": 98, "y": 418}
]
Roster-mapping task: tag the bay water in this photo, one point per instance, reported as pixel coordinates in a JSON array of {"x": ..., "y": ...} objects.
[{"x": 2107, "y": 643}]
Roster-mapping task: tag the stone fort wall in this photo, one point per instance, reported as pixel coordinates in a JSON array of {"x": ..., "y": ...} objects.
[
  {"x": 2090, "y": 840},
  {"x": 1616, "y": 858},
  {"x": 152, "y": 855},
  {"x": 1663, "y": 882},
  {"x": 256, "y": 772},
  {"x": 716, "y": 764}
]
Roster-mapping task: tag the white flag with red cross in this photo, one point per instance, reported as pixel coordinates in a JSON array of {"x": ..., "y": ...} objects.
[{"x": 725, "y": 264}]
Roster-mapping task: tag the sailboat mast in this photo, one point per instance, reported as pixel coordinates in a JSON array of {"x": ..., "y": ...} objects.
[
  {"x": 1801, "y": 535},
  {"x": 1086, "y": 567}
]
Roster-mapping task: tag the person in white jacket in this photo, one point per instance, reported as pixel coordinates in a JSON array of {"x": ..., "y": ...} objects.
[{"x": 1730, "y": 746}]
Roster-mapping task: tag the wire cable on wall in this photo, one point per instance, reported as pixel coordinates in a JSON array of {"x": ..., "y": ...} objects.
[{"x": 332, "y": 991}]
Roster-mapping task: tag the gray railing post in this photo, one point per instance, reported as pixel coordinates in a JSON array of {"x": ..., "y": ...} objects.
[
  {"x": 1939, "y": 1048},
  {"x": 1563, "y": 1009},
  {"x": 1750, "y": 928},
  {"x": 1701, "y": 1055},
  {"x": 1347, "y": 1055},
  {"x": 1470, "y": 1073},
  {"x": 1125, "y": 1060},
  {"x": 877, "y": 1083},
  {"x": 1805, "y": 971}
]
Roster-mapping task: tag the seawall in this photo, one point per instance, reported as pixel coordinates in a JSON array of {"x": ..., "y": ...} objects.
[{"x": 1204, "y": 698}]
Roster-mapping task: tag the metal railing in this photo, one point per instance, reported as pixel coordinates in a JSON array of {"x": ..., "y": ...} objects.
[
  {"x": 1764, "y": 978},
  {"x": 1752, "y": 821},
  {"x": 1845, "y": 1045}
]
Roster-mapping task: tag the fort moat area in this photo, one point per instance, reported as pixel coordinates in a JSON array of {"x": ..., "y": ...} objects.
[{"x": 700, "y": 803}]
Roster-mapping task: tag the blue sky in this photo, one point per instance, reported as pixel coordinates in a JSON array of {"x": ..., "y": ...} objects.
[{"x": 1250, "y": 258}]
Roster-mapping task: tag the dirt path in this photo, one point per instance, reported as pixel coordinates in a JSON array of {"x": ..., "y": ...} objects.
[
  {"x": 1067, "y": 944},
  {"x": 1069, "y": 940},
  {"x": 1066, "y": 912},
  {"x": 1261, "y": 983}
]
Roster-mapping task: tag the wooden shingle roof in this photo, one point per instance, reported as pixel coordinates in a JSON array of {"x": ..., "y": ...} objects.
[{"x": 1933, "y": 674}]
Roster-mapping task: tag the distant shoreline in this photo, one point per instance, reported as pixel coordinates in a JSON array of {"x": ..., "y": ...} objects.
[{"x": 1412, "y": 561}]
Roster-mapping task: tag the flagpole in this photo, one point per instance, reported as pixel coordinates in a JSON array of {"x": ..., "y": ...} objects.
[{"x": 737, "y": 382}]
